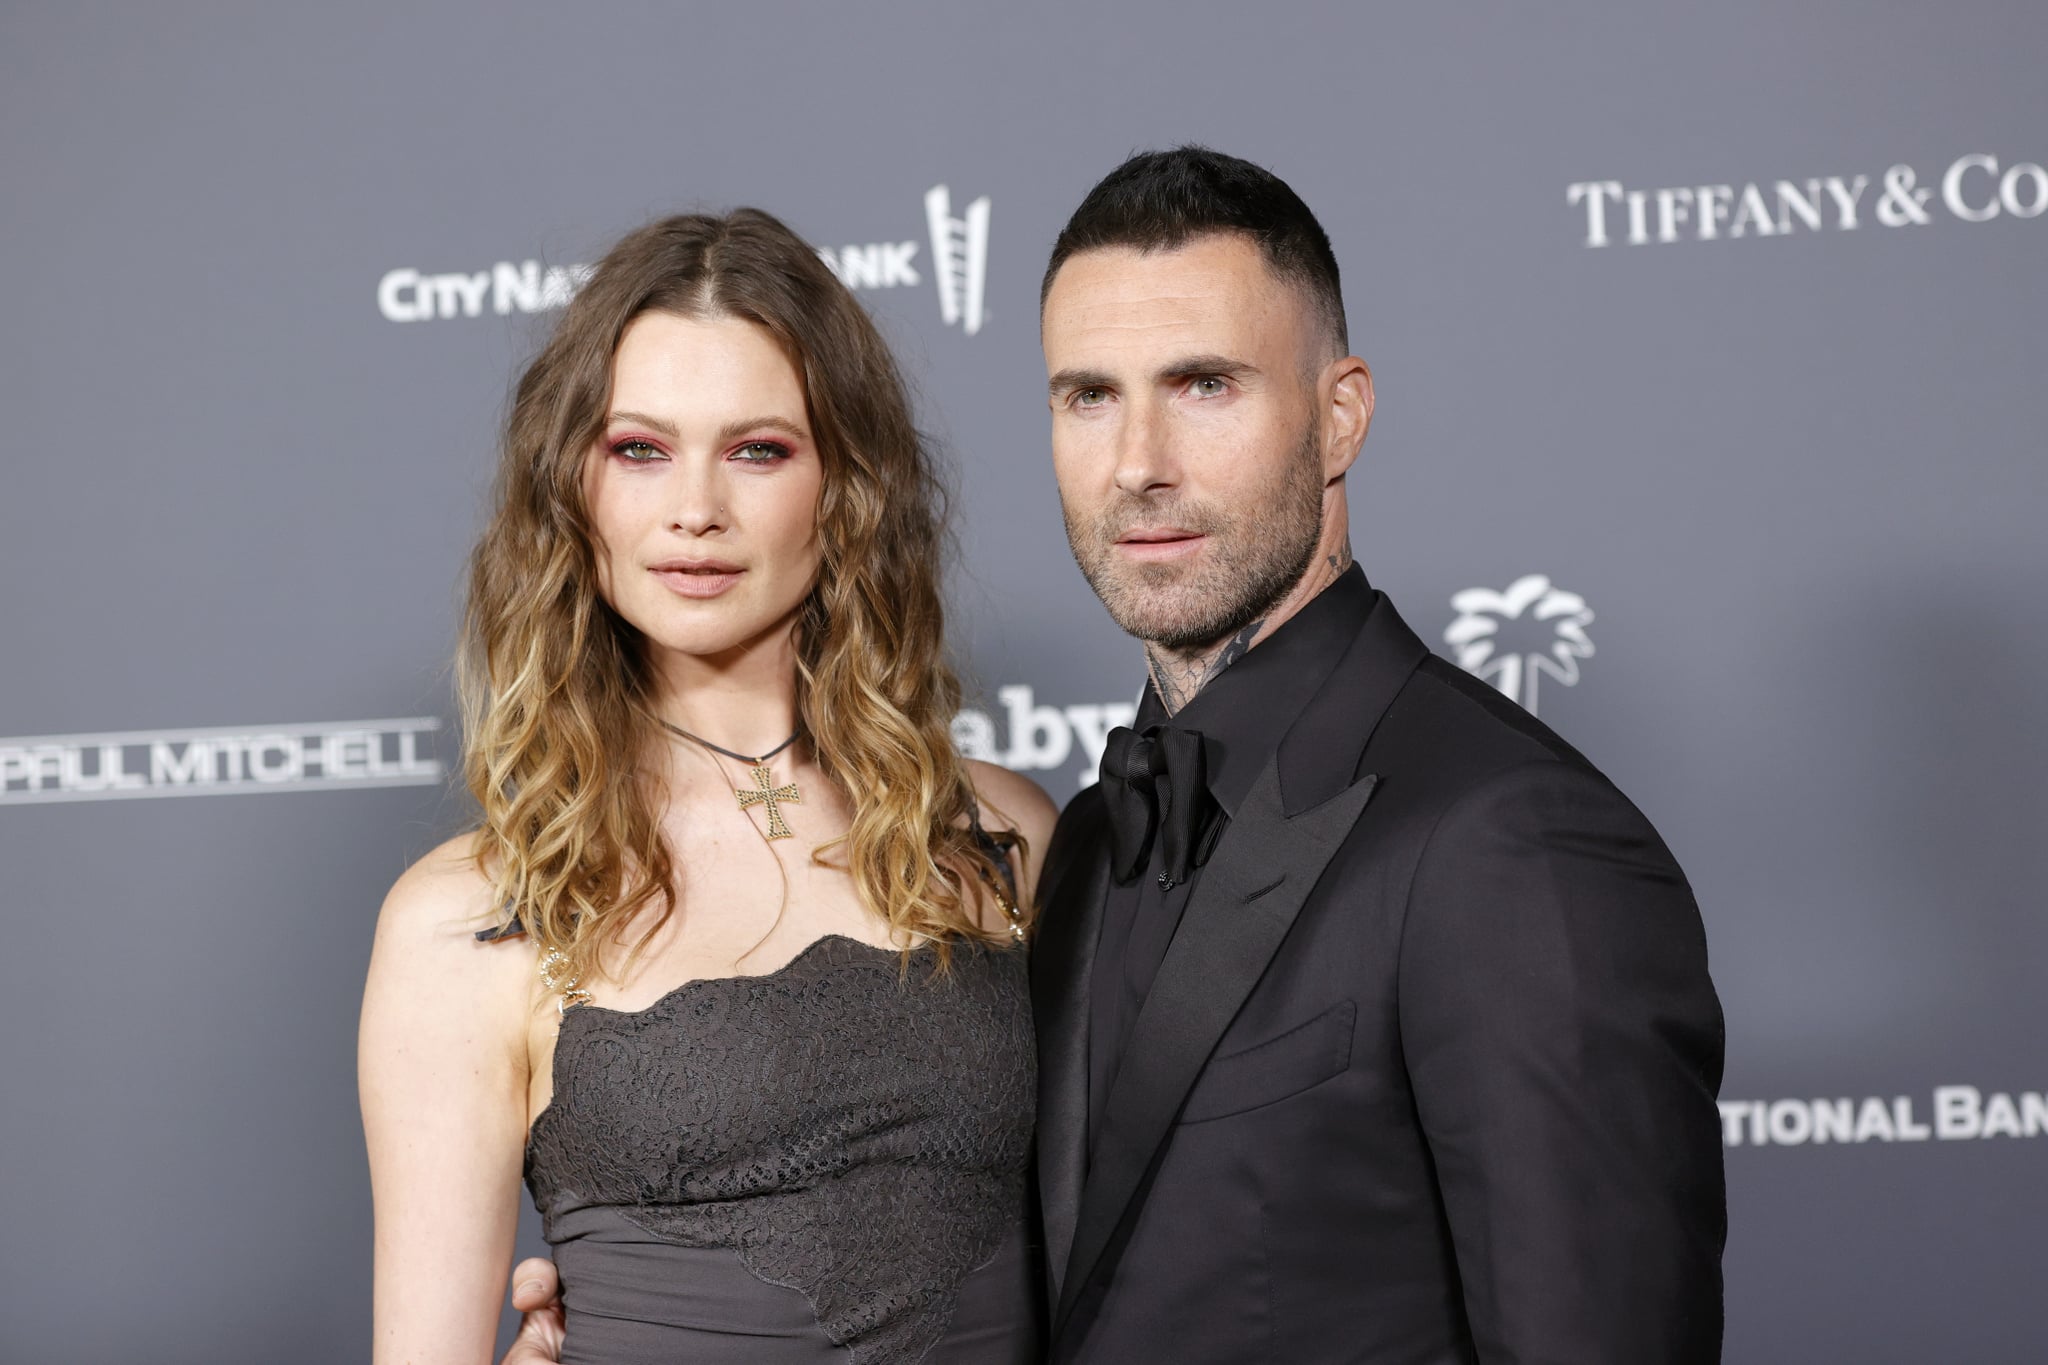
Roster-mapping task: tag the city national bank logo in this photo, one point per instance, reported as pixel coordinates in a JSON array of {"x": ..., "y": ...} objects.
[
  {"x": 959, "y": 267},
  {"x": 1975, "y": 188},
  {"x": 408, "y": 295},
  {"x": 959, "y": 245},
  {"x": 216, "y": 762},
  {"x": 1512, "y": 638},
  {"x": 959, "y": 257},
  {"x": 1041, "y": 737}
]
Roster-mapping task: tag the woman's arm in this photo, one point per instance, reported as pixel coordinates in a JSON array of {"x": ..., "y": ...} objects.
[{"x": 442, "y": 1067}]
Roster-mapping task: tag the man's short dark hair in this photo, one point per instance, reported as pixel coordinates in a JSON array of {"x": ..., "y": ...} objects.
[{"x": 1159, "y": 201}]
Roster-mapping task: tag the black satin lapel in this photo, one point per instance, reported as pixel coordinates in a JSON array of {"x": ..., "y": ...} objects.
[
  {"x": 1250, "y": 893},
  {"x": 1062, "y": 962},
  {"x": 1322, "y": 749}
]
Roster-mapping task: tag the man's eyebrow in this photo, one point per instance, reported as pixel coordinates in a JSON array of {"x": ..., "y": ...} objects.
[
  {"x": 1192, "y": 367},
  {"x": 729, "y": 432},
  {"x": 1200, "y": 366},
  {"x": 1066, "y": 381}
]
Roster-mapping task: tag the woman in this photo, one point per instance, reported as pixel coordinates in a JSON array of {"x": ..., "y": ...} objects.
[{"x": 747, "y": 1006}]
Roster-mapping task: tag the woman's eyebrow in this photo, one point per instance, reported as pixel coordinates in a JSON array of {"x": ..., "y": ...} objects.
[
  {"x": 730, "y": 431},
  {"x": 641, "y": 419}
]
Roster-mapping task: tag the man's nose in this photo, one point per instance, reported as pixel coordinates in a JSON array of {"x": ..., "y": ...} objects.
[{"x": 1144, "y": 462}]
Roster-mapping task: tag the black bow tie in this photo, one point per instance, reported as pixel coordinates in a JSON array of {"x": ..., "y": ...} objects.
[{"x": 1157, "y": 781}]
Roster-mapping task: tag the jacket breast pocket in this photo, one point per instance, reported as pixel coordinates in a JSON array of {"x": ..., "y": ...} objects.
[{"x": 1287, "y": 1064}]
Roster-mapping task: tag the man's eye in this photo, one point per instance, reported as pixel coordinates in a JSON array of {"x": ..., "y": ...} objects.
[
  {"x": 636, "y": 452},
  {"x": 761, "y": 452},
  {"x": 1090, "y": 398},
  {"x": 1208, "y": 386}
]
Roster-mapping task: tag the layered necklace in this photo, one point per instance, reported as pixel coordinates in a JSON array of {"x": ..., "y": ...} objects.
[{"x": 764, "y": 791}]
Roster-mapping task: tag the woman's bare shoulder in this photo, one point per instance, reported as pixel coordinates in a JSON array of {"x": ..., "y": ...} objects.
[
  {"x": 426, "y": 936},
  {"x": 1012, "y": 801},
  {"x": 444, "y": 891}
]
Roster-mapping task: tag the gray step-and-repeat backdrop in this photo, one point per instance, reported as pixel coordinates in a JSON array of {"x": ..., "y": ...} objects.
[{"x": 1710, "y": 354}]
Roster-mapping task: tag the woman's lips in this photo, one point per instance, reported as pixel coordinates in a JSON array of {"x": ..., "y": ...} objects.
[{"x": 706, "y": 579}]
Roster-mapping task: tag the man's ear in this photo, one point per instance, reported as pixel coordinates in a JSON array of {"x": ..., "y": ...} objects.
[{"x": 1347, "y": 414}]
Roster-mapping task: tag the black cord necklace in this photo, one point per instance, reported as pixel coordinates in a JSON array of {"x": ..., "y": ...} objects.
[
  {"x": 718, "y": 749},
  {"x": 765, "y": 792}
]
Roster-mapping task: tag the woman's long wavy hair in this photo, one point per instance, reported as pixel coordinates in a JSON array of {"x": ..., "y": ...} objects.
[{"x": 557, "y": 690}]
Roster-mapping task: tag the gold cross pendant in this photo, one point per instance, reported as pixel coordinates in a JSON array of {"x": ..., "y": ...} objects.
[{"x": 767, "y": 795}]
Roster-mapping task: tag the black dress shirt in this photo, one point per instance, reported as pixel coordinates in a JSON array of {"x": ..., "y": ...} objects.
[{"x": 1242, "y": 715}]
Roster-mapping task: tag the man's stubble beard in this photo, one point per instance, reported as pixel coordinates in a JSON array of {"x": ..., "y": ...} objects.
[{"x": 1255, "y": 558}]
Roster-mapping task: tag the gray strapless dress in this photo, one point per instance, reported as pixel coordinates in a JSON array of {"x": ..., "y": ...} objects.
[{"x": 824, "y": 1163}]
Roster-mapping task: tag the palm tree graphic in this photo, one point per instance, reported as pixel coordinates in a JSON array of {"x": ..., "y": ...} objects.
[{"x": 1475, "y": 635}]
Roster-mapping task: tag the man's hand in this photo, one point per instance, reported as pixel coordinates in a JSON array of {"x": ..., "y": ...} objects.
[{"x": 536, "y": 1292}]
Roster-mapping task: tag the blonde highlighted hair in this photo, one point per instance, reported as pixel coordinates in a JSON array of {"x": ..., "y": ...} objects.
[{"x": 556, "y": 689}]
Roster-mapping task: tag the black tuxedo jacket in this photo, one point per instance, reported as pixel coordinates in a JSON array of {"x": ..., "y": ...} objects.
[{"x": 1427, "y": 1074}]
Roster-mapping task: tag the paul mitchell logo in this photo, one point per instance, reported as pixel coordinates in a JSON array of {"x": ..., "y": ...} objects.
[
  {"x": 1974, "y": 188},
  {"x": 1041, "y": 737},
  {"x": 1546, "y": 634},
  {"x": 408, "y": 295},
  {"x": 215, "y": 762}
]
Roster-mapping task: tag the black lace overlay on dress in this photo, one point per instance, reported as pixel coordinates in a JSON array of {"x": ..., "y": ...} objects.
[{"x": 850, "y": 1130}]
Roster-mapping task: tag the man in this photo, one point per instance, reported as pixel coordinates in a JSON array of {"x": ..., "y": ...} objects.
[{"x": 1374, "y": 1023}]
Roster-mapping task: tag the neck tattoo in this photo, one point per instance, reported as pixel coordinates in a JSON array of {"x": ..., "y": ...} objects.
[{"x": 1178, "y": 676}]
